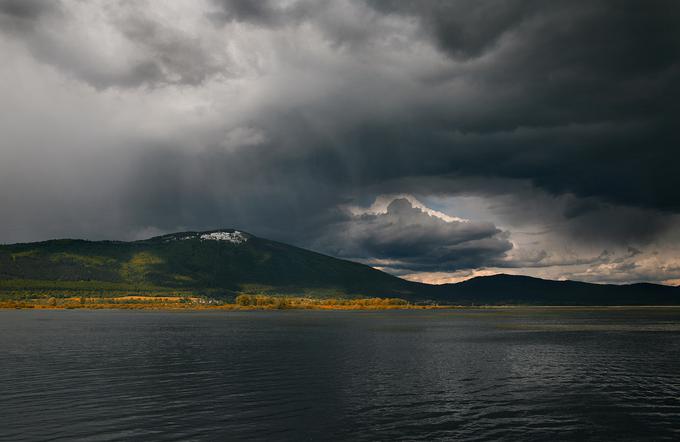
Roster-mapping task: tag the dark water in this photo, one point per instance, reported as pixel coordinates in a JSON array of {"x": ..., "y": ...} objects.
[{"x": 316, "y": 375}]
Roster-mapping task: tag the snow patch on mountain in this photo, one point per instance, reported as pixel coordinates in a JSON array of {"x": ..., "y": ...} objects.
[{"x": 234, "y": 237}]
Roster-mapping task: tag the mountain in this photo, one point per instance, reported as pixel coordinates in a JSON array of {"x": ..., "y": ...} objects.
[
  {"x": 219, "y": 263},
  {"x": 222, "y": 263},
  {"x": 514, "y": 289}
]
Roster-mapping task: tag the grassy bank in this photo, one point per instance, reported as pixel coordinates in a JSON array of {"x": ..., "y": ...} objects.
[{"x": 241, "y": 302}]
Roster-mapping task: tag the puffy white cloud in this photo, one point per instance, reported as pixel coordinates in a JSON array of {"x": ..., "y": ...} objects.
[{"x": 404, "y": 235}]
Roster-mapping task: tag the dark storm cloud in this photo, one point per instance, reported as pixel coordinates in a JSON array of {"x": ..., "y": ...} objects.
[
  {"x": 463, "y": 28},
  {"x": 594, "y": 85},
  {"x": 406, "y": 238},
  {"x": 20, "y": 17},
  {"x": 282, "y": 198},
  {"x": 153, "y": 53},
  {"x": 589, "y": 222},
  {"x": 25, "y": 9},
  {"x": 176, "y": 58},
  {"x": 268, "y": 116},
  {"x": 264, "y": 13}
]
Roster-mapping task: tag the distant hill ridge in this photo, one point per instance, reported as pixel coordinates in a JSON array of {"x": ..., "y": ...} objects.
[{"x": 225, "y": 262}]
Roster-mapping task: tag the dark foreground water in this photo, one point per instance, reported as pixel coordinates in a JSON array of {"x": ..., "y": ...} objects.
[{"x": 318, "y": 375}]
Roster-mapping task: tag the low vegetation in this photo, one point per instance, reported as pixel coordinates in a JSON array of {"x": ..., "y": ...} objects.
[
  {"x": 283, "y": 302},
  {"x": 241, "y": 302}
]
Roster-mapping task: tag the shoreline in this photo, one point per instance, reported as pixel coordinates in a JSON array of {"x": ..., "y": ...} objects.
[
  {"x": 228, "y": 307},
  {"x": 11, "y": 305}
]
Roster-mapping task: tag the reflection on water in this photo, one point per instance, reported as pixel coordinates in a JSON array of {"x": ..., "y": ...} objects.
[{"x": 319, "y": 375}]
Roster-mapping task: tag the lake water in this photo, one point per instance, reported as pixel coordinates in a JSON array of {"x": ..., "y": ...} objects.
[{"x": 512, "y": 374}]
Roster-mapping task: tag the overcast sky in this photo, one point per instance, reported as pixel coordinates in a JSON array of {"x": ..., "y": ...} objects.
[{"x": 436, "y": 140}]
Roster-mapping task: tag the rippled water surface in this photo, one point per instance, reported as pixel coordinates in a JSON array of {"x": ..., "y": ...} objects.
[{"x": 318, "y": 375}]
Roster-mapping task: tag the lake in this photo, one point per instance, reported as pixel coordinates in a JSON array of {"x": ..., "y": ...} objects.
[{"x": 513, "y": 374}]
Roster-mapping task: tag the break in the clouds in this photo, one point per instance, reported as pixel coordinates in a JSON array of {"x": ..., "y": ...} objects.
[{"x": 436, "y": 140}]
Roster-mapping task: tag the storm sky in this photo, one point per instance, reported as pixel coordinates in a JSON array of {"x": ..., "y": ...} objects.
[{"x": 435, "y": 140}]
